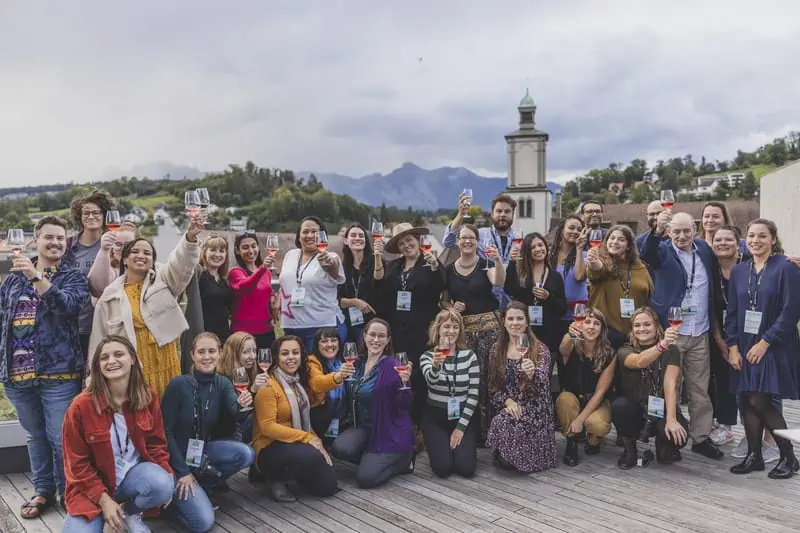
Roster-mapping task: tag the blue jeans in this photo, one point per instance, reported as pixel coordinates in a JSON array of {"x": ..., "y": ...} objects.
[
  {"x": 41, "y": 407},
  {"x": 146, "y": 486},
  {"x": 196, "y": 513}
]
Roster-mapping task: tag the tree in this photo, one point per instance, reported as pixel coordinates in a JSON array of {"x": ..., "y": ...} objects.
[
  {"x": 748, "y": 186},
  {"x": 722, "y": 165},
  {"x": 475, "y": 211},
  {"x": 722, "y": 190},
  {"x": 383, "y": 215}
]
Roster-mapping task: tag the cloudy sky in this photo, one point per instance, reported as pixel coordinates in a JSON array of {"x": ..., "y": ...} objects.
[{"x": 336, "y": 85}]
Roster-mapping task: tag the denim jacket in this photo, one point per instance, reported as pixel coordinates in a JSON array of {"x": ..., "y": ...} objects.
[{"x": 58, "y": 348}]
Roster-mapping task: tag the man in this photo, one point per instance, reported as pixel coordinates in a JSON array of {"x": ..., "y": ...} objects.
[
  {"x": 654, "y": 209},
  {"x": 687, "y": 276},
  {"x": 40, "y": 353},
  {"x": 499, "y": 234},
  {"x": 592, "y": 215},
  {"x": 88, "y": 215}
]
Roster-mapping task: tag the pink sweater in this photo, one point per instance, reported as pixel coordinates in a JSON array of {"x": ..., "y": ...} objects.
[{"x": 251, "y": 307}]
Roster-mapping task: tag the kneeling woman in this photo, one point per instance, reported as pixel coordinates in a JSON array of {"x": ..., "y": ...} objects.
[
  {"x": 193, "y": 406},
  {"x": 453, "y": 389},
  {"x": 114, "y": 446},
  {"x": 379, "y": 437},
  {"x": 327, "y": 409},
  {"x": 587, "y": 372},
  {"x": 647, "y": 406},
  {"x": 286, "y": 445},
  {"x": 521, "y": 433}
]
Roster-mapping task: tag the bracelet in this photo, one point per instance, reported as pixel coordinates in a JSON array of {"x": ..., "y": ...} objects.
[{"x": 660, "y": 347}]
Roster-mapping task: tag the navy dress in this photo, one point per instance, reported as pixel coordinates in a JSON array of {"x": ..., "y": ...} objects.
[{"x": 778, "y": 372}]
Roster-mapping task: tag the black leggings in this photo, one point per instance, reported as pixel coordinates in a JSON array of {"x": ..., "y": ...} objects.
[
  {"x": 758, "y": 412},
  {"x": 283, "y": 462},
  {"x": 436, "y": 429}
]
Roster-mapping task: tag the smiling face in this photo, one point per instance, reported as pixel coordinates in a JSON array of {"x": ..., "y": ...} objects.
[
  {"x": 617, "y": 244},
  {"x": 681, "y": 231},
  {"x": 467, "y": 241},
  {"x": 760, "y": 240},
  {"x": 516, "y": 322},
  {"x": 216, "y": 255},
  {"x": 376, "y": 338},
  {"x": 308, "y": 235},
  {"x": 538, "y": 250},
  {"x": 572, "y": 230},
  {"x": 449, "y": 330},
  {"x": 592, "y": 214},
  {"x": 356, "y": 239},
  {"x": 290, "y": 356},
  {"x": 713, "y": 219},
  {"x": 140, "y": 258},
  {"x": 248, "y": 250},
  {"x": 248, "y": 356},
  {"x": 653, "y": 210},
  {"x": 92, "y": 217},
  {"x": 591, "y": 328},
  {"x": 409, "y": 246},
  {"x": 115, "y": 361},
  {"x": 51, "y": 242},
  {"x": 725, "y": 244},
  {"x": 645, "y": 330},
  {"x": 329, "y": 347},
  {"x": 123, "y": 238},
  {"x": 205, "y": 355}
]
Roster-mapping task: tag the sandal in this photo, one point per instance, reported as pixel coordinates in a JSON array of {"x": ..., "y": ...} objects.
[{"x": 39, "y": 507}]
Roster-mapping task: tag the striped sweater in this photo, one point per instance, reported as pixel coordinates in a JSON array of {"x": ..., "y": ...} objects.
[{"x": 462, "y": 373}]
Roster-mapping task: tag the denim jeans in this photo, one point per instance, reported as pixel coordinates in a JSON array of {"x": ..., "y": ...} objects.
[
  {"x": 41, "y": 406},
  {"x": 196, "y": 513},
  {"x": 146, "y": 486},
  {"x": 307, "y": 334}
]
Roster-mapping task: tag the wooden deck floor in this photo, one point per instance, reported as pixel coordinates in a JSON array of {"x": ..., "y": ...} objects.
[{"x": 696, "y": 494}]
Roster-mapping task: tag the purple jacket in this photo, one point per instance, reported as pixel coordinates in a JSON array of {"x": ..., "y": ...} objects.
[{"x": 392, "y": 431}]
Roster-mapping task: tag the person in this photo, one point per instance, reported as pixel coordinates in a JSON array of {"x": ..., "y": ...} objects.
[
  {"x": 620, "y": 282},
  {"x": 251, "y": 282},
  {"x": 88, "y": 214},
  {"x": 142, "y": 304},
  {"x": 449, "y": 423},
  {"x": 193, "y": 405},
  {"x": 521, "y": 432},
  {"x": 287, "y": 449},
  {"x": 309, "y": 285},
  {"x": 327, "y": 409},
  {"x": 592, "y": 215},
  {"x": 114, "y": 447},
  {"x": 567, "y": 256},
  {"x": 499, "y": 234},
  {"x": 654, "y": 209},
  {"x": 763, "y": 343},
  {"x": 687, "y": 278},
  {"x": 239, "y": 351},
  {"x": 647, "y": 401},
  {"x": 586, "y": 378},
  {"x": 469, "y": 286},
  {"x": 357, "y": 293},
  {"x": 713, "y": 216},
  {"x": 105, "y": 268},
  {"x": 411, "y": 288},
  {"x": 41, "y": 361},
  {"x": 378, "y": 434}
]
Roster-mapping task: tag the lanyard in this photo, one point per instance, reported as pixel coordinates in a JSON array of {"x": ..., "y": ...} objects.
[
  {"x": 298, "y": 272},
  {"x": 199, "y": 415},
  {"x": 752, "y": 295},
  {"x": 359, "y": 384},
  {"x": 451, "y": 383},
  {"x": 355, "y": 281},
  {"x": 541, "y": 282},
  {"x": 123, "y": 452},
  {"x": 690, "y": 279},
  {"x": 504, "y": 252},
  {"x": 626, "y": 287},
  {"x": 655, "y": 377},
  {"x": 404, "y": 277}
]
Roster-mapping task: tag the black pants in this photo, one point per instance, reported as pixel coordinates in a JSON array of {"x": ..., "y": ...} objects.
[
  {"x": 719, "y": 388},
  {"x": 436, "y": 429},
  {"x": 320, "y": 419},
  {"x": 629, "y": 417},
  {"x": 284, "y": 462},
  {"x": 374, "y": 469}
]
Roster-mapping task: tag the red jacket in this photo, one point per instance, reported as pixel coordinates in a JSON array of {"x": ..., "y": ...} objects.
[
  {"x": 251, "y": 307},
  {"x": 89, "y": 458}
]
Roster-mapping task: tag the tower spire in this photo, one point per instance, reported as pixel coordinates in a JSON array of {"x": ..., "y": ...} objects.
[{"x": 527, "y": 112}]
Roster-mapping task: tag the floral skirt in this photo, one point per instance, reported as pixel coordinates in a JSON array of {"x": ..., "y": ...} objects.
[{"x": 481, "y": 333}]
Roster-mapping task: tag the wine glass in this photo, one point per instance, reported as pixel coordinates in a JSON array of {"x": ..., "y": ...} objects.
[
  {"x": 425, "y": 244},
  {"x": 517, "y": 237},
  {"x": 667, "y": 198},
  {"x": 445, "y": 346},
  {"x": 113, "y": 220},
  {"x": 467, "y": 195},
  {"x": 322, "y": 241},
  {"x": 204, "y": 200},
  {"x": 401, "y": 364},
  {"x": 192, "y": 202},
  {"x": 377, "y": 230},
  {"x": 579, "y": 314},
  {"x": 487, "y": 244},
  {"x": 596, "y": 238},
  {"x": 241, "y": 382},
  {"x": 523, "y": 344},
  {"x": 16, "y": 241},
  {"x": 350, "y": 355},
  {"x": 273, "y": 245},
  {"x": 264, "y": 359},
  {"x": 675, "y": 317}
]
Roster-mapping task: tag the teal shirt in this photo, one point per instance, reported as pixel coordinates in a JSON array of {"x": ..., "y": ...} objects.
[{"x": 363, "y": 388}]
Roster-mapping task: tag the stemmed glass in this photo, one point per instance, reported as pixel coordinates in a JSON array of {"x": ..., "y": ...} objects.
[
  {"x": 523, "y": 344},
  {"x": 192, "y": 202},
  {"x": 675, "y": 317},
  {"x": 241, "y": 382},
  {"x": 467, "y": 195},
  {"x": 264, "y": 359},
  {"x": 425, "y": 244},
  {"x": 667, "y": 198},
  {"x": 377, "y": 230},
  {"x": 203, "y": 200},
  {"x": 350, "y": 355},
  {"x": 444, "y": 346},
  {"x": 322, "y": 241},
  {"x": 487, "y": 244},
  {"x": 16, "y": 241},
  {"x": 596, "y": 238},
  {"x": 517, "y": 237},
  {"x": 113, "y": 220},
  {"x": 401, "y": 365},
  {"x": 579, "y": 314},
  {"x": 272, "y": 247}
]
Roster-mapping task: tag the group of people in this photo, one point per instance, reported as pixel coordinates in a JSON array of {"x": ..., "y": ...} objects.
[{"x": 144, "y": 386}]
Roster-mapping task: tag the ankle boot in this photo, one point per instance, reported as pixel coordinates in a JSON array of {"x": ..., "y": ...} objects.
[
  {"x": 571, "y": 453},
  {"x": 752, "y": 462},
  {"x": 629, "y": 455},
  {"x": 786, "y": 468}
]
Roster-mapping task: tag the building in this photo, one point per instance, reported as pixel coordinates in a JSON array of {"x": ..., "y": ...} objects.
[
  {"x": 527, "y": 169},
  {"x": 706, "y": 187},
  {"x": 780, "y": 196}
]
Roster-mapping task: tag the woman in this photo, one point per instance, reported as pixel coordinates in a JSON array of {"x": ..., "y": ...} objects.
[
  {"x": 309, "y": 284},
  {"x": 521, "y": 433},
  {"x": 713, "y": 216},
  {"x": 761, "y": 330},
  {"x": 379, "y": 437},
  {"x": 448, "y": 424},
  {"x": 411, "y": 288},
  {"x": 567, "y": 258},
  {"x": 142, "y": 304},
  {"x": 114, "y": 446},
  {"x": 356, "y": 294},
  {"x": 251, "y": 282},
  {"x": 287, "y": 449},
  {"x": 469, "y": 285},
  {"x": 620, "y": 282},
  {"x": 240, "y": 351},
  {"x": 193, "y": 405},
  {"x": 216, "y": 294},
  {"x": 586, "y": 376},
  {"x": 105, "y": 268},
  {"x": 647, "y": 398},
  {"x": 327, "y": 410}
]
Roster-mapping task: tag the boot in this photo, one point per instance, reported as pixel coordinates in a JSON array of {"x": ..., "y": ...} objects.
[
  {"x": 629, "y": 455},
  {"x": 786, "y": 468},
  {"x": 571, "y": 453}
]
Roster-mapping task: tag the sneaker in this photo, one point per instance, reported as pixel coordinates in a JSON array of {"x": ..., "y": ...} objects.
[
  {"x": 740, "y": 450},
  {"x": 721, "y": 435},
  {"x": 770, "y": 453},
  {"x": 135, "y": 524}
]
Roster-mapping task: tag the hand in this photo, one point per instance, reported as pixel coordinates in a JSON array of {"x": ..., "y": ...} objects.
[
  {"x": 593, "y": 255},
  {"x": 185, "y": 487},
  {"x": 24, "y": 265},
  {"x": 757, "y": 352},
  {"x": 113, "y": 515},
  {"x": 431, "y": 260},
  {"x": 582, "y": 240},
  {"x": 455, "y": 438},
  {"x": 107, "y": 241},
  {"x": 576, "y": 427},
  {"x": 513, "y": 409},
  {"x": 675, "y": 432},
  {"x": 245, "y": 399},
  {"x": 269, "y": 260},
  {"x": 363, "y": 306},
  {"x": 516, "y": 253},
  {"x": 438, "y": 358},
  {"x": 794, "y": 260},
  {"x": 664, "y": 218},
  {"x": 541, "y": 294},
  {"x": 196, "y": 223},
  {"x": 377, "y": 247},
  {"x": 316, "y": 442},
  {"x": 460, "y": 307},
  {"x": 528, "y": 367},
  {"x": 347, "y": 370},
  {"x": 463, "y": 204},
  {"x": 326, "y": 260},
  {"x": 670, "y": 337},
  {"x": 723, "y": 348},
  {"x": 735, "y": 358},
  {"x": 491, "y": 253},
  {"x": 575, "y": 329},
  {"x": 260, "y": 381},
  {"x": 405, "y": 375}
]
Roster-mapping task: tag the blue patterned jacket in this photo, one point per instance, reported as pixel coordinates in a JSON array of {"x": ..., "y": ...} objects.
[{"x": 58, "y": 348}]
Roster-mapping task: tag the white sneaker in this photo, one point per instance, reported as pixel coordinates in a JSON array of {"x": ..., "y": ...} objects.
[
  {"x": 770, "y": 453},
  {"x": 740, "y": 450},
  {"x": 721, "y": 435},
  {"x": 135, "y": 524}
]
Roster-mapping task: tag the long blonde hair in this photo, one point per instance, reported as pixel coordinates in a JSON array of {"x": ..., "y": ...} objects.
[
  {"x": 497, "y": 359},
  {"x": 216, "y": 242},
  {"x": 443, "y": 316},
  {"x": 228, "y": 360},
  {"x": 139, "y": 394}
]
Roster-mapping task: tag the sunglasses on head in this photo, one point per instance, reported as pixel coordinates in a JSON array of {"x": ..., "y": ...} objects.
[{"x": 246, "y": 233}]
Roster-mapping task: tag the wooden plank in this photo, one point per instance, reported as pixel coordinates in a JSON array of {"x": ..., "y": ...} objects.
[
  {"x": 351, "y": 516},
  {"x": 14, "y": 499},
  {"x": 247, "y": 520},
  {"x": 53, "y": 520}
]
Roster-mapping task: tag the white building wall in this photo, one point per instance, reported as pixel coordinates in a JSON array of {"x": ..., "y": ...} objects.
[
  {"x": 780, "y": 202},
  {"x": 539, "y": 219}
]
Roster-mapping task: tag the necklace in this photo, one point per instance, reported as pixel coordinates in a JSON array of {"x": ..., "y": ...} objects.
[{"x": 467, "y": 267}]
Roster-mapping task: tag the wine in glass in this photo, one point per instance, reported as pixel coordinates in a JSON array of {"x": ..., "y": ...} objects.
[
  {"x": 667, "y": 198},
  {"x": 445, "y": 346},
  {"x": 350, "y": 355},
  {"x": 241, "y": 382},
  {"x": 322, "y": 241},
  {"x": 377, "y": 230},
  {"x": 16, "y": 241},
  {"x": 401, "y": 365},
  {"x": 264, "y": 359},
  {"x": 204, "y": 200},
  {"x": 425, "y": 243},
  {"x": 596, "y": 238},
  {"x": 523, "y": 344},
  {"x": 675, "y": 317},
  {"x": 579, "y": 314},
  {"x": 488, "y": 244},
  {"x": 273, "y": 246},
  {"x": 517, "y": 237},
  {"x": 192, "y": 202},
  {"x": 113, "y": 220},
  {"x": 466, "y": 194}
]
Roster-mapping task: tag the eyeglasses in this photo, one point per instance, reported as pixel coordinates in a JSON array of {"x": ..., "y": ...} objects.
[
  {"x": 379, "y": 336},
  {"x": 91, "y": 214},
  {"x": 593, "y": 211},
  {"x": 246, "y": 233}
]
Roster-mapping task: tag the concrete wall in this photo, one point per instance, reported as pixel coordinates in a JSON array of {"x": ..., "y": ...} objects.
[{"x": 780, "y": 202}]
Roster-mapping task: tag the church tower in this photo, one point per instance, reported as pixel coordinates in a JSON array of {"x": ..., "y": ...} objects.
[{"x": 527, "y": 172}]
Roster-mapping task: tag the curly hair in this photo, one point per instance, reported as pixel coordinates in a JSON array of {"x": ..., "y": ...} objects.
[{"x": 99, "y": 197}]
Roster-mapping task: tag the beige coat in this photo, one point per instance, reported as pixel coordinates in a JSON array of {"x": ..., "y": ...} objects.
[{"x": 161, "y": 290}]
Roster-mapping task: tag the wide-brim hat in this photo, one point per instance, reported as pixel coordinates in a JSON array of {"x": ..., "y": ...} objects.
[{"x": 401, "y": 230}]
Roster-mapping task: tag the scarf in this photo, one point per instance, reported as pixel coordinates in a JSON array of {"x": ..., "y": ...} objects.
[
  {"x": 334, "y": 395},
  {"x": 298, "y": 400}
]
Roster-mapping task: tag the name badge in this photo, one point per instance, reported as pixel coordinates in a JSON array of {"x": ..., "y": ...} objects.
[
  {"x": 356, "y": 316},
  {"x": 298, "y": 297},
  {"x": 655, "y": 406},
  {"x": 404, "y": 300},
  {"x": 194, "y": 452},
  {"x": 333, "y": 429},
  {"x": 688, "y": 306},
  {"x": 453, "y": 409},
  {"x": 752, "y": 322},
  {"x": 536, "y": 315},
  {"x": 626, "y": 307},
  {"x": 122, "y": 466}
]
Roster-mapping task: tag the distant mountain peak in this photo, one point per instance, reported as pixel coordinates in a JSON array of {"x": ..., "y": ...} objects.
[{"x": 408, "y": 165}]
